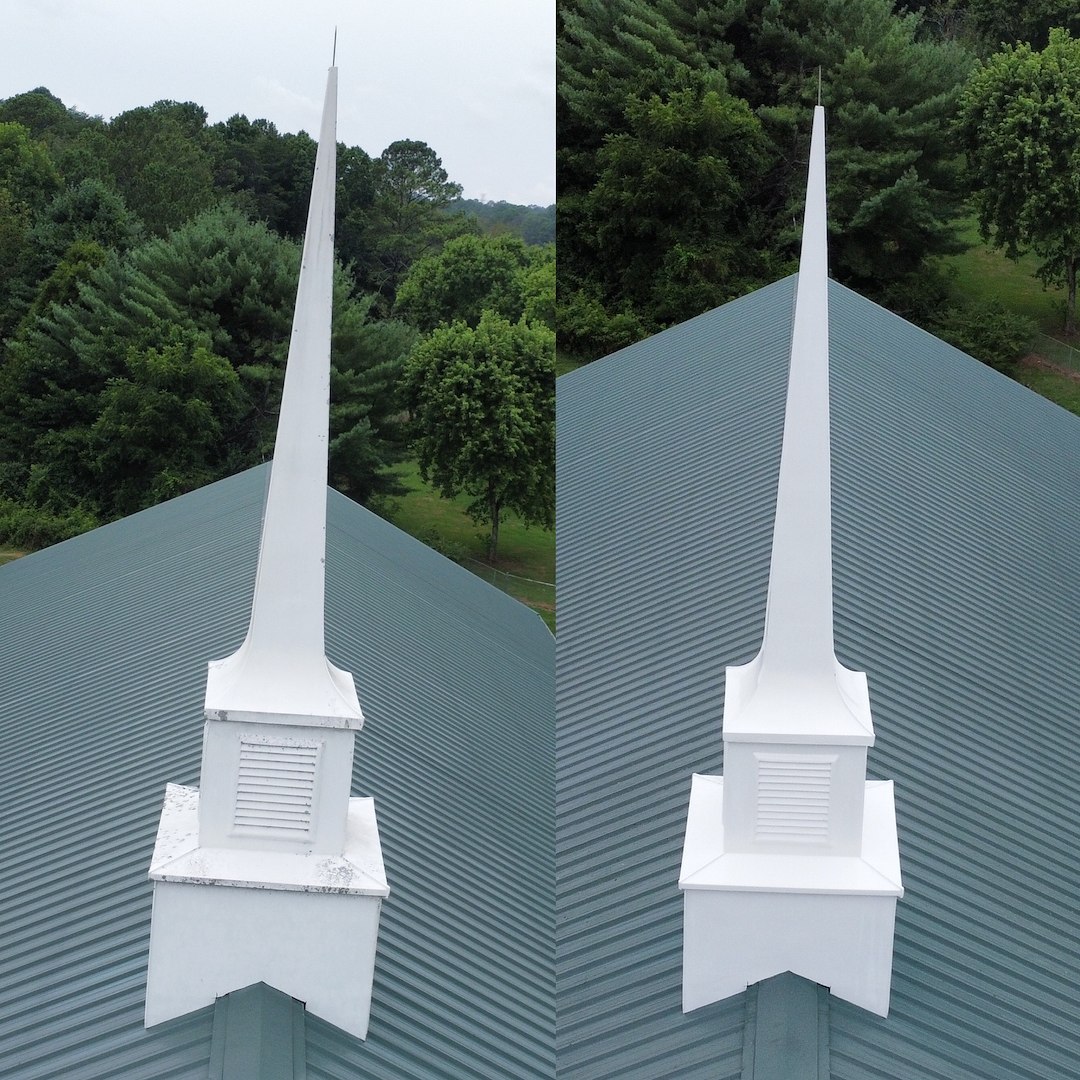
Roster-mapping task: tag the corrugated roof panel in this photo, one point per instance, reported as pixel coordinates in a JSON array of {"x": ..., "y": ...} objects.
[
  {"x": 657, "y": 591},
  {"x": 104, "y": 642},
  {"x": 955, "y": 518}
]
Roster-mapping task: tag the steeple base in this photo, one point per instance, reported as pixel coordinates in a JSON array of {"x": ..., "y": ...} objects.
[
  {"x": 224, "y": 919},
  {"x": 749, "y": 916}
]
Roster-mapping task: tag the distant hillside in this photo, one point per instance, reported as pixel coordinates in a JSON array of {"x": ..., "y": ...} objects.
[{"x": 534, "y": 224}]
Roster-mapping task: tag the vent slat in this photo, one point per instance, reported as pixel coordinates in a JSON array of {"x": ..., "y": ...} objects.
[
  {"x": 275, "y": 786},
  {"x": 793, "y": 796}
]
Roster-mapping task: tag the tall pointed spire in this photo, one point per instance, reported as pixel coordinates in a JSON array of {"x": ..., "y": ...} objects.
[
  {"x": 271, "y": 872},
  {"x": 796, "y": 664},
  {"x": 791, "y": 861},
  {"x": 281, "y": 667},
  {"x": 798, "y": 621}
]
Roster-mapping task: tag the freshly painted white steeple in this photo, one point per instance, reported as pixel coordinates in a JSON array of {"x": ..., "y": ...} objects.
[
  {"x": 791, "y": 859},
  {"x": 271, "y": 872},
  {"x": 281, "y": 668}
]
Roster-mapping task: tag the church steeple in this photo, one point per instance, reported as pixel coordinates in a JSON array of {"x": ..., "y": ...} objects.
[
  {"x": 790, "y": 860},
  {"x": 271, "y": 872},
  {"x": 281, "y": 668}
]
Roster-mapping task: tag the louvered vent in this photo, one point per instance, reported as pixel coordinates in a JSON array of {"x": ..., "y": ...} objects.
[
  {"x": 275, "y": 785},
  {"x": 793, "y": 797}
]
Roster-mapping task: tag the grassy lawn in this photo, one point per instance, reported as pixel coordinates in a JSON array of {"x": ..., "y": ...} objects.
[
  {"x": 983, "y": 273},
  {"x": 7, "y": 554},
  {"x": 524, "y": 553},
  {"x": 565, "y": 361},
  {"x": 1062, "y": 389}
]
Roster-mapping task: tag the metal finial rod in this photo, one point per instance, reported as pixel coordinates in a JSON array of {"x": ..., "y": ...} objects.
[
  {"x": 818, "y": 81},
  {"x": 333, "y": 62}
]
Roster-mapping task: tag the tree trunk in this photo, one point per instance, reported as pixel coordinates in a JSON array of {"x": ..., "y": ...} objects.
[
  {"x": 493, "y": 539},
  {"x": 1070, "y": 306}
]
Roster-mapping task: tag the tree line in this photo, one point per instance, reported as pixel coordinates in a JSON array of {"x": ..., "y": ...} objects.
[
  {"x": 683, "y": 133},
  {"x": 148, "y": 271}
]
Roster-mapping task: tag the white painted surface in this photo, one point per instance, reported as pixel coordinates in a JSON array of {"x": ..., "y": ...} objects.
[
  {"x": 206, "y": 942},
  {"x": 356, "y": 870},
  {"x": 795, "y": 689},
  {"x": 797, "y": 705},
  {"x": 276, "y": 875},
  {"x": 328, "y": 801},
  {"x": 226, "y": 918},
  {"x": 791, "y": 860},
  {"x": 798, "y": 620},
  {"x": 843, "y": 942},
  {"x": 828, "y": 918},
  {"x": 281, "y": 668},
  {"x": 843, "y": 821},
  {"x": 709, "y": 863}
]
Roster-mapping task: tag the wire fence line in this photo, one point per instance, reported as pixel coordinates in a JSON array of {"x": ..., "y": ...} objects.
[
  {"x": 487, "y": 569},
  {"x": 1057, "y": 352}
]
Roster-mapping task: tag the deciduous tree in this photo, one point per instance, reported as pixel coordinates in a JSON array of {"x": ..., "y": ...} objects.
[
  {"x": 158, "y": 158},
  {"x": 1020, "y": 126},
  {"x": 470, "y": 275},
  {"x": 483, "y": 410},
  {"x": 407, "y": 218}
]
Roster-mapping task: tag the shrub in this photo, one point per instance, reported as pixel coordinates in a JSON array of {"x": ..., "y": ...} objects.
[
  {"x": 986, "y": 331},
  {"x": 28, "y": 528}
]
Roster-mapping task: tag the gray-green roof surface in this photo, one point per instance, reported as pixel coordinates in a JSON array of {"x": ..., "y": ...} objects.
[
  {"x": 104, "y": 642},
  {"x": 956, "y": 526}
]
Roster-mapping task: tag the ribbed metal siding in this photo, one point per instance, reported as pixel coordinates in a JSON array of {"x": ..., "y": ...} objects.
[
  {"x": 103, "y": 648},
  {"x": 664, "y": 522},
  {"x": 957, "y": 589}
]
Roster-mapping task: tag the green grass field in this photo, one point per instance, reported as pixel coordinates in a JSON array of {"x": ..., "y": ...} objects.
[
  {"x": 983, "y": 273},
  {"x": 7, "y": 554},
  {"x": 525, "y": 566}
]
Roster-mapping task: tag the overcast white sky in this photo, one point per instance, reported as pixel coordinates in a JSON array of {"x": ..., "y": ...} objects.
[{"x": 475, "y": 79}]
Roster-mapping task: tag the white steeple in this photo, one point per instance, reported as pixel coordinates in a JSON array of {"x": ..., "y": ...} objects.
[
  {"x": 791, "y": 859},
  {"x": 271, "y": 872},
  {"x": 281, "y": 668}
]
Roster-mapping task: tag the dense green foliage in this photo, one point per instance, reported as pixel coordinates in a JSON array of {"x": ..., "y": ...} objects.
[
  {"x": 987, "y": 331},
  {"x": 986, "y": 25},
  {"x": 148, "y": 271},
  {"x": 407, "y": 218},
  {"x": 1020, "y": 126},
  {"x": 534, "y": 224},
  {"x": 483, "y": 406},
  {"x": 682, "y": 138},
  {"x": 164, "y": 372},
  {"x": 474, "y": 274}
]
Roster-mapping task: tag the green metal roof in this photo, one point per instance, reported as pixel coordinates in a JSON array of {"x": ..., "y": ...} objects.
[
  {"x": 787, "y": 1030},
  {"x": 258, "y": 1035},
  {"x": 104, "y": 642},
  {"x": 957, "y": 589}
]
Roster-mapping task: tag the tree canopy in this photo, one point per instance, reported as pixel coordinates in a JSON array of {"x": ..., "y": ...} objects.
[
  {"x": 682, "y": 139},
  {"x": 471, "y": 275},
  {"x": 482, "y": 402},
  {"x": 1020, "y": 125},
  {"x": 147, "y": 276},
  {"x": 150, "y": 334}
]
